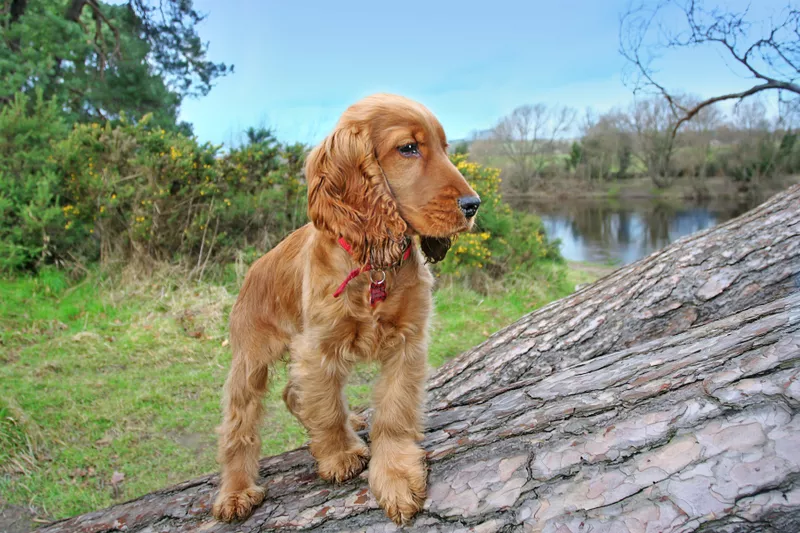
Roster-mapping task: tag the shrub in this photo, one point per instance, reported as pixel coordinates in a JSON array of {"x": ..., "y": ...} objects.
[
  {"x": 575, "y": 156},
  {"x": 502, "y": 240},
  {"x": 137, "y": 192},
  {"x": 462, "y": 148},
  {"x": 147, "y": 193},
  {"x": 31, "y": 222}
]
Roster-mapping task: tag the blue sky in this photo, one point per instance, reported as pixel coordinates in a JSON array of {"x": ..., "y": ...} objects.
[{"x": 298, "y": 65}]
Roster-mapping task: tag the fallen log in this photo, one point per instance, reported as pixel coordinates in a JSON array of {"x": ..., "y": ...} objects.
[
  {"x": 663, "y": 398},
  {"x": 747, "y": 261}
]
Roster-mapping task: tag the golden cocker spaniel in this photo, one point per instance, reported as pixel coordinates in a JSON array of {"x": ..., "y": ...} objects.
[{"x": 351, "y": 285}]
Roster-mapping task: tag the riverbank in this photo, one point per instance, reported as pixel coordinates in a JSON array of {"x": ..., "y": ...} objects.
[
  {"x": 618, "y": 231},
  {"x": 582, "y": 273},
  {"x": 112, "y": 383},
  {"x": 641, "y": 187}
]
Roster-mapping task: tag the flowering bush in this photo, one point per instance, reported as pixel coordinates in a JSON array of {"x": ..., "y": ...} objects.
[
  {"x": 502, "y": 239},
  {"x": 138, "y": 191},
  {"x": 151, "y": 193},
  {"x": 134, "y": 190}
]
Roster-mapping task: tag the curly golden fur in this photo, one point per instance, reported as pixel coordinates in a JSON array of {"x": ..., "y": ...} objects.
[{"x": 379, "y": 180}]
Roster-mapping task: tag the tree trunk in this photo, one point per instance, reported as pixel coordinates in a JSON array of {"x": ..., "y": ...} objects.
[
  {"x": 17, "y": 10},
  {"x": 612, "y": 410},
  {"x": 749, "y": 260},
  {"x": 74, "y": 9}
]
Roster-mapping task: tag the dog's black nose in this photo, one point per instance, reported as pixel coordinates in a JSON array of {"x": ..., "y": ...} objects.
[{"x": 469, "y": 205}]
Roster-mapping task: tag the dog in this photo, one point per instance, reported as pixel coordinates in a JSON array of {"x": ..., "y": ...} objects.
[{"x": 352, "y": 285}]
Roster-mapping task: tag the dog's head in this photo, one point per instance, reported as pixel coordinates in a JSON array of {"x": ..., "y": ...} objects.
[{"x": 383, "y": 175}]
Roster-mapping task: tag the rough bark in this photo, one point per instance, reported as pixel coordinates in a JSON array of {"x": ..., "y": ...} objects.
[
  {"x": 747, "y": 261},
  {"x": 613, "y": 410}
]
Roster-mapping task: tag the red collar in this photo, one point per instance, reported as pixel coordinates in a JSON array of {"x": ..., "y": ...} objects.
[{"x": 377, "y": 289}]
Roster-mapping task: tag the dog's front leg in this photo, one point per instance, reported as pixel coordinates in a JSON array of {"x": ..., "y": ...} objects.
[
  {"x": 322, "y": 408},
  {"x": 397, "y": 472}
]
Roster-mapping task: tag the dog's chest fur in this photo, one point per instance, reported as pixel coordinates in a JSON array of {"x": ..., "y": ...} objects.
[{"x": 366, "y": 332}]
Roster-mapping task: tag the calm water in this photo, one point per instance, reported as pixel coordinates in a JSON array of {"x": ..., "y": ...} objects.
[{"x": 623, "y": 231}]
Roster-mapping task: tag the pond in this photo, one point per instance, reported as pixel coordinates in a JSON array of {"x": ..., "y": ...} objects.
[{"x": 619, "y": 232}]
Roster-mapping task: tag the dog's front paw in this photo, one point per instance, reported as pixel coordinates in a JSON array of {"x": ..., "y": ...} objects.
[
  {"x": 397, "y": 478},
  {"x": 239, "y": 504},
  {"x": 342, "y": 465}
]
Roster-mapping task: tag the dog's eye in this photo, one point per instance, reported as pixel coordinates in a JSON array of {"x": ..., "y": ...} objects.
[{"x": 409, "y": 150}]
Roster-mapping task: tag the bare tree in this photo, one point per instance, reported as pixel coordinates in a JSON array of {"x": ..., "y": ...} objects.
[
  {"x": 606, "y": 145},
  {"x": 527, "y": 137},
  {"x": 751, "y": 117},
  {"x": 698, "y": 138},
  {"x": 756, "y": 151},
  {"x": 652, "y": 121},
  {"x": 766, "y": 51}
]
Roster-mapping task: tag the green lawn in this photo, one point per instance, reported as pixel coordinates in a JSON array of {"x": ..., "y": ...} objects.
[{"x": 111, "y": 386}]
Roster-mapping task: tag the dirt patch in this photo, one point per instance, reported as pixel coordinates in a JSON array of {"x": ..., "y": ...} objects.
[
  {"x": 16, "y": 519},
  {"x": 196, "y": 442},
  {"x": 193, "y": 441},
  {"x": 592, "y": 269}
]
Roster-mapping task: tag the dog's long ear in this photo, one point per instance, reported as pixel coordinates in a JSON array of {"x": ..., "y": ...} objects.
[
  {"x": 348, "y": 196},
  {"x": 435, "y": 248}
]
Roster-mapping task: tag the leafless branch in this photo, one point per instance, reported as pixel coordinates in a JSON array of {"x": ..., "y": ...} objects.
[
  {"x": 772, "y": 58},
  {"x": 690, "y": 113}
]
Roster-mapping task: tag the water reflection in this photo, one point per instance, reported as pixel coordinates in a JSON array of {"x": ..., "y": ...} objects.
[{"x": 624, "y": 231}]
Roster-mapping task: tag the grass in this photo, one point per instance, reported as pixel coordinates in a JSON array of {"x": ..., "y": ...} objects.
[{"x": 111, "y": 385}]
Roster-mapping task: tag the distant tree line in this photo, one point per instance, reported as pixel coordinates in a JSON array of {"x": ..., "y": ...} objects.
[
  {"x": 665, "y": 134},
  {"x": 533, "y": 143}
]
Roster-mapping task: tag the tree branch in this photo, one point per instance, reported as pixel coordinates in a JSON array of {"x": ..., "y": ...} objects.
[
  {"x": 99, "y": 13},
  {"x": 774, "y": 84},
  {"x": 74, "y": 10}
]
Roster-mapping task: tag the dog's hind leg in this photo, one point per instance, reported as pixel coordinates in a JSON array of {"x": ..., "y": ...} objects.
[
  {"x": 291, "y": 397},
  {"x": 254, "y": 352}
]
